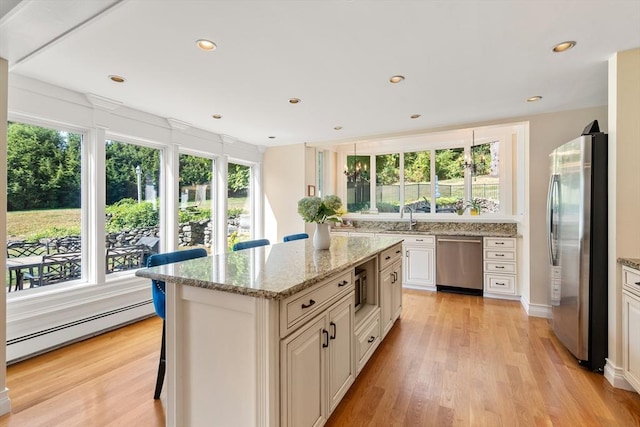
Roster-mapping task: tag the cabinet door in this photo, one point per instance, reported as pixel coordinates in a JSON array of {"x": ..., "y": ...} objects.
[
  {"x": 341, "y": 367},
  {"x": 303, "y": 376},
  {"x": 419, "y": 262},
  {"x": 631, "y": 339},
  {"x": 396, "y": 290},
  {"x": 386, "y": 313}
]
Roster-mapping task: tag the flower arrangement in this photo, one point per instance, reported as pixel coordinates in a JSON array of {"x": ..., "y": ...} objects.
[{"x": 315, "y": 209}]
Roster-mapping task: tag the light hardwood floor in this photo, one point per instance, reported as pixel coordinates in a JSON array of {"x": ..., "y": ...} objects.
[{"x": 450, "y": 360}]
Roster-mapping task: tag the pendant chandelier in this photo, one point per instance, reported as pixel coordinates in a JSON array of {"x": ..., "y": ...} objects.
[
  {"x": 476, "y": 164},
  {"x": 356, "y": 172}
]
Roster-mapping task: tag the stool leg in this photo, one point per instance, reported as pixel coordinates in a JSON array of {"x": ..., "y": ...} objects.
[{"x": 161, "y": 365}]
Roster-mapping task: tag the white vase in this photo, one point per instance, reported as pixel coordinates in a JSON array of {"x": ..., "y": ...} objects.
[{"x": 321, "y": 237}]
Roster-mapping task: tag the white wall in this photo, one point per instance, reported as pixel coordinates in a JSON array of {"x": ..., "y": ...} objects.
[
  {"x": 624, "y": 191},
  {"x": 284, "y": 184}
]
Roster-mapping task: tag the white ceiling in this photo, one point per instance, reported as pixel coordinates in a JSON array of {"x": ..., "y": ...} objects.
[{"x": 464, "y": 61}]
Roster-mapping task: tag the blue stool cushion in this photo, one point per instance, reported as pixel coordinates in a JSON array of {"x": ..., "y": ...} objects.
[{"x": 157, "y": 286}]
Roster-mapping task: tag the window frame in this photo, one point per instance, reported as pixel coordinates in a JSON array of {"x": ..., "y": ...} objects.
[{"x": 431, "y": 142}]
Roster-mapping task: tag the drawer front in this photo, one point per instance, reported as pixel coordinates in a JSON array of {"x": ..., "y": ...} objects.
[
  {"x": 500, "y": 284},
  {"x": 367, "y": 341},
  {"x": 420, "y": 240},
  {"x": 631, "y": 280},
  {"x": 390, "y": 256},
  {"x": 491, "y": 255},
  {"x": 304, "y": 305},
  {"x": 499, "y": 242},
  {"x": 499, "y": 267}
]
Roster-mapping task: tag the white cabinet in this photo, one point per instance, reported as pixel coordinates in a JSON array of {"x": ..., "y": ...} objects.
[
  {"x": 390, "y": 280},
  {"x": 367, "y": 340},
  {"x": 318, "y": 366},
  {"x": 630, "y": 322},
  {"x": 419, "y": 261},
  {"x": 500, "y": 273}
]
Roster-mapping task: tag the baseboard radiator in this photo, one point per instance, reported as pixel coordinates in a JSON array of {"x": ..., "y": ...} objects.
[{"x": 42, "y": 341}]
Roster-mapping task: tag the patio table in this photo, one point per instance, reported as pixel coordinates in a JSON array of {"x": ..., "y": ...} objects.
[{"x": 23, "y": 263}]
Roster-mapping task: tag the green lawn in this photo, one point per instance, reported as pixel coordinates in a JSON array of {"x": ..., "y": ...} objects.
[{"x": 37, "y": 224}]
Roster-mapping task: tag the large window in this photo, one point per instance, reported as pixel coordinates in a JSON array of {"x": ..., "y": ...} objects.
[
  {"x": 357, "y": 172},
  {"x": 132, "y": 205},
  {"x": 449, "y": 178},
  {"x": 485, "y": 184},
  {"x": 437, "y": 180},
  {"x": 417, "y": 180},
  {"x": 240, "y": 221},
  {"x": 43, "y": 206},
  {"x": 388, "y": 183},
  {"x": 197, "y": 202}
]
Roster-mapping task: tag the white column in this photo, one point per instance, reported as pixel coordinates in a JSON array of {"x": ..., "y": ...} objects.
[
  {"x": 5, "y": 402},
  {"x": 93, "y": 199},
  {"x": 624, "y": 192}
]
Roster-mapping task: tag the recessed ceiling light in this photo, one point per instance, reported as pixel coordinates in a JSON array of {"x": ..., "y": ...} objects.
[
  {"x": 272, "y": 137},
  {"x": 117, "y": 79},
  {"x": 415, "y": 116},
  {"x": 561, "y": 47},
  {"x": 338, "y": 127},
  {"x": 534, "y": 98},
  {"x": 396, "y": 79},
  {"x": 294, "y": 101},
  {"x": 206, "y": 45},
  {"x": 217, "y": 116}
]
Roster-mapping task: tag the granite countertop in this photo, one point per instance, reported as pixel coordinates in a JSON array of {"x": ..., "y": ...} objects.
[
  {"x": 440, "y": 230},
  {"x": 630, "y": 262},
  {"x": 273, "y": 272}
]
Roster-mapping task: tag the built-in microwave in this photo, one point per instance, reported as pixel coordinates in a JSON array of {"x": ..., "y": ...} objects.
[{"x": 361, "y": 288}]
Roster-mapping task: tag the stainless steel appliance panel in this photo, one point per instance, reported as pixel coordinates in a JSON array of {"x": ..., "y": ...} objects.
[{"x": 459, "y": 262}]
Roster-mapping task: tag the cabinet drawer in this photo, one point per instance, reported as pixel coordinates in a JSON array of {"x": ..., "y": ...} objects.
[
  {"x": 420, "y": 240},
  {"x": 303, "y": 305},
  {"x": 499, "y": 242},
  {"x": 491, "y": 255},
  {"x": 500, "y": 284},
  {"x": 500, "y": 267},
  {"x": 367, "y": 340},
  {"x": 390, "y": 256},
  {"x": 631, "y": 280}
]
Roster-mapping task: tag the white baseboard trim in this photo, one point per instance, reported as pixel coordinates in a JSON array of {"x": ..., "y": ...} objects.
[
  {"x": 420, "y": 287},
  {"x": 5, "y": 402},
  {"x": 501, "y": 296},
  {"x": 615, "y": 375},
  {"x": 536, "y": 310}
]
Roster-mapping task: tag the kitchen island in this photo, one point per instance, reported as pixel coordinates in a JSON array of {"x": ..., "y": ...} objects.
[{"x": 268, "y": 336}]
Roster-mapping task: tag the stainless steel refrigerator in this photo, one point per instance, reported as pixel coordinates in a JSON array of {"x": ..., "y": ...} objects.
[{"x": 577, "y": 208}]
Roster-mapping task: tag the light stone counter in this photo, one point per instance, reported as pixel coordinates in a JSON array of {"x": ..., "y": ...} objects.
[
  {"x": 273, "y": 272},
  {"x": 484, "y": 229},
  {"x": 630, "y": 262}
]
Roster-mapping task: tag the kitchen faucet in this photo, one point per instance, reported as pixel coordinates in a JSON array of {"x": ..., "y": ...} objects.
[{"x": 411, "y": 221}]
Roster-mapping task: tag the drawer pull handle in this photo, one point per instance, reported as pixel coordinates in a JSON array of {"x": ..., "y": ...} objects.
[
  {"x": 499, "y": 254},
  {"x": 499, "y": 266},
  {"x": 419, "y": 240},
  {"x": 311, "y": 302},
  {"x": 326, "y": 334},
  {"x": 398, "y": 251},
  {"x": 333, "y": 335},
  {"x": 638, "y": 283},
  {"x": 370, "y": 340},
  {"x": 500, "y": 284},
  {"x": 387, "y": 257},
  {"x": 499, "y": 243},
  {"x": 343, "y": 283}
]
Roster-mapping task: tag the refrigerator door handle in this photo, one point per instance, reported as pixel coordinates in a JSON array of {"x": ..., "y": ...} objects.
[{"x": 551, "y": 204}]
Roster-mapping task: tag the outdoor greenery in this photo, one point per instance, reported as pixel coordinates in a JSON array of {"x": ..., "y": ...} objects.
[{"x": 43, "y": 169}]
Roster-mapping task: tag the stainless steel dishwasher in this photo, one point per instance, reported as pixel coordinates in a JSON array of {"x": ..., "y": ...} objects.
[{"x": 459, "y": 264}]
